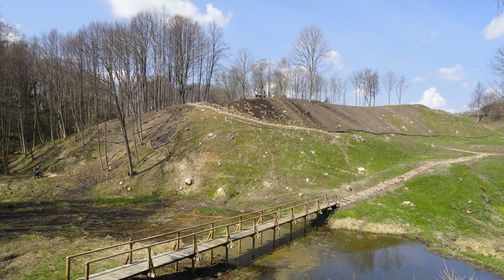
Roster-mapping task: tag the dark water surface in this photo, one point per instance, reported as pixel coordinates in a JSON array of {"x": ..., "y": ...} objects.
[{"x": 330, "y": 254}]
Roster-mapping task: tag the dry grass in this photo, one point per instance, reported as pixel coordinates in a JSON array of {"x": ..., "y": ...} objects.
[{"x": 378, "y": 228}]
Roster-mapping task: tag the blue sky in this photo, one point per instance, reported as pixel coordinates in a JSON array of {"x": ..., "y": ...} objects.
[{"x": 440, "y": 45}]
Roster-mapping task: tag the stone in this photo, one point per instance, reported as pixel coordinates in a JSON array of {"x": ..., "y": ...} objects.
[
  {"x": 300, "y": 194},
  {"x": 407, "y": 203},
  {"x": 361, "y": 170},
  {"x": 486, "y": 198},
  {"x": 358, "y": 138},
  {"x": 348, "y": 188},
  {"x": 189, "y": 181},
  {"x": 210, "y": 135}
]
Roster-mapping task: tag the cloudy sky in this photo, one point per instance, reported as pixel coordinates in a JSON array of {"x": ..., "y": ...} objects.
[{"x": 443, "y": 47}]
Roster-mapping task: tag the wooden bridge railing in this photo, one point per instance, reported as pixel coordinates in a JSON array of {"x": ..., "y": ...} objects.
[{"x": 204, "y": 232}]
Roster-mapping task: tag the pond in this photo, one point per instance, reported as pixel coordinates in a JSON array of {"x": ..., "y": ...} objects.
[{"x": 334, "y": 254}]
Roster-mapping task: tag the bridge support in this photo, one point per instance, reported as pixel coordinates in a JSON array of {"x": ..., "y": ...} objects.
[
  {"x": 253, "y": 247},
  {"x": 274, "y": 237},
  {"x": 227, "y": 254}
]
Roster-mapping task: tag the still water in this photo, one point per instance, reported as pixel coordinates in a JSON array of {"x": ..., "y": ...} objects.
[{"x": 330, "y": 254}]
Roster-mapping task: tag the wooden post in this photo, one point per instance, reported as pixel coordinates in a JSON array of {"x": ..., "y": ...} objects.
[
  {"x": 130, "y": 254},
  {"x": 274, "y": 230},
  {"x": 212, "y": 237},
  {"x": 239, "y": 241},
  {"x": 274, "y": 236},
  {"x": 304, "y": 227},
  {"x": 293, "y": 217},
  {"x": 290, "y": 234},
  {"x": 193, "y": 264},
  {"x": 305, "y": 218},
  {"x": 177, "y": 247},
  {"x": 259, "y": 222},
  {"x": 86, "y": 272},
  {"x": 253, "y": 247},
  {"x": 227, "y": 233},
  {"x": 227, "y": 244},
  {"x": 151, "y": 264},
  {"x": 149, "y": 258},
  {"x": 194, "y": 247},
  {"x": 67, "y": 268},
  {"x": 254, "y": 238}
]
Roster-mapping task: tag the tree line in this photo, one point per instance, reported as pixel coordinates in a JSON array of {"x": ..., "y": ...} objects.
[
  {"x": 303, "y": 74},
  {"x": 58, "y": 84},
  {"x": 55, "y": 85}
]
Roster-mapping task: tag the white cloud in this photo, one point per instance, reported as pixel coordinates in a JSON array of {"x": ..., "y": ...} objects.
[
  {"x": 10, "y": 33},
  {"x": 335, "y": 59},
  {"x": 455, "y": 73},
  {"x": 495, "y": 28},
  {"x": 129, "y": 8},
  {"x": 431, "y": 98}
]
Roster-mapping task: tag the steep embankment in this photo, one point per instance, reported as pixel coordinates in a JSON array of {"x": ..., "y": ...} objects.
[
  {"x": 235, "y": 162},
  {"x": 402, "y": 119},
  {"x": 229, "y": 157}
]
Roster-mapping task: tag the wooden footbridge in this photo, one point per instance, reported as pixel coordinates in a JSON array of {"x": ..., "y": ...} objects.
[{"x": 139, "y": 256}]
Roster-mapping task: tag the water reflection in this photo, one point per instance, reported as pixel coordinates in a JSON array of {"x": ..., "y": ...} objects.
[{"x": 329, "y": 254}]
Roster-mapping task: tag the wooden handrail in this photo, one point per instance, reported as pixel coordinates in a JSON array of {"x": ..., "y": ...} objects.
[
  {"x": 261, "y": 214},
  {"x": 174, "y": 232}
]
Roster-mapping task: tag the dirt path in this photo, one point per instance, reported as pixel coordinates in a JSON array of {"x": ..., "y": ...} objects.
[
  {"x": 254, "y": 121},
  {"x": 395, "y": 182}
]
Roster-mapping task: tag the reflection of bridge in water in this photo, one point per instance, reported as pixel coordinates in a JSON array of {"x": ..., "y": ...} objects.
[{"x": 189, "y": 243}]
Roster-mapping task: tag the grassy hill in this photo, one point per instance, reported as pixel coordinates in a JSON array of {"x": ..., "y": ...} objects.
[
  {"x": 235, "y": 164},
  {"x": 247, "y": 162}
]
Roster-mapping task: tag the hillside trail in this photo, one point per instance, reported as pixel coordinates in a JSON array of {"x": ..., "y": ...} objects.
[
  {"x": 255, "y": 121},
  {"x": 396, "y": 182}
]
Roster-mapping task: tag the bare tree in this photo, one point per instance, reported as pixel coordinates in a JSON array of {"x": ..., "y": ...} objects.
[
  {"x": 281, "y": 77},
  {"x": 389, "y": 83},
  {"x": 401, "y": 87},
  {"x": 357, "y": 80},
  {"x": 338, "y": 89},
  {"x": 309, "y": 52},
  {"x": 243, "y": 65},
  {"x": 477, "y": 99},
  {"x": 371, "y": 86},
  {"x": 182, "y": 33},
  {"x": 216, "y": 53}
]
